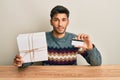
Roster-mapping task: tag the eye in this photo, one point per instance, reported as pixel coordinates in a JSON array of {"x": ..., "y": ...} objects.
[
  {"x": 55, "y": 19},
  {"x": 64, "y": 19}
]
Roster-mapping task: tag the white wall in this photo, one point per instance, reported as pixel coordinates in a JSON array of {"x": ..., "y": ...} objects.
[{"x": 99, "y": 18}]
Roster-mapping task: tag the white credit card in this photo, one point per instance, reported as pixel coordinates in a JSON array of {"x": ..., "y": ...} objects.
[{"x": 77, "y": 42}]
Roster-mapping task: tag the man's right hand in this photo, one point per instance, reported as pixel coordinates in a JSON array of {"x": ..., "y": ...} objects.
[{"x": 18, "y": 61}]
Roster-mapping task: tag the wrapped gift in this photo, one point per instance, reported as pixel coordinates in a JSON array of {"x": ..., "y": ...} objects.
[{"x": 33, "y": 47}]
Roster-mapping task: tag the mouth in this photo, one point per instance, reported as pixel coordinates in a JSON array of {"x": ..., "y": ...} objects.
[{"x": 60, "y": 29}]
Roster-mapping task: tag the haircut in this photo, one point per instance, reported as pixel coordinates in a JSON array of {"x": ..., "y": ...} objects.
[{"x": 59, "y": 9}]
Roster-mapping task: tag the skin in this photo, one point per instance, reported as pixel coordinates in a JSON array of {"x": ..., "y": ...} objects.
[
  {"x": 18, "y": 61},
  {"x": 60, "y": 22}
]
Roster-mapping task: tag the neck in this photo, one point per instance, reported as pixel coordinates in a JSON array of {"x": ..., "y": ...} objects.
[{"x": 58, "y": 35}]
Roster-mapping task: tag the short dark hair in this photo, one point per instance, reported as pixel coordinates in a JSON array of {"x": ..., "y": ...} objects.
[{"x": 59, "y": 9}]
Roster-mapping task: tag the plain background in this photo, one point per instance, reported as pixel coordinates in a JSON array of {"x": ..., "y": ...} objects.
[{"x": 98, "y": 18}]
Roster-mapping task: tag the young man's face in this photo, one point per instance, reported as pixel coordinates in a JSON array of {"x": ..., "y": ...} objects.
[{"x": 59, "y": 22}]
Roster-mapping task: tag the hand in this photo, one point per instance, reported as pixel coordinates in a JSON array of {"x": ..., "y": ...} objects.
[
  {"x": 87, "y": 42},
  {"x": 18, "y": 61}
]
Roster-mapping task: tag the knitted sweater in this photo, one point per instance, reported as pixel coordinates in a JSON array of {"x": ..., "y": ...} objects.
[{"x": 61, "y": 52}]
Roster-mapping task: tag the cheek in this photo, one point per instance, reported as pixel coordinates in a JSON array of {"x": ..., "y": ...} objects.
[
  {"x": 54, "y": 23},
  {"x": 66, "y": 24}
]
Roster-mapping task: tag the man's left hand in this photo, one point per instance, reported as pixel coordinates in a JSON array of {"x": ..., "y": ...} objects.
[{"x": 87, "y": 42}]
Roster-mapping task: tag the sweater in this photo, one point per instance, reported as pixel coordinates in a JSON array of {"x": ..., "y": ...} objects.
[{"x": 62, "y": 52}]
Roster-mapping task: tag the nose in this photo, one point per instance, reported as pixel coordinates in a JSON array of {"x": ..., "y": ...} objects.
[{"x": 60, "y": 23}]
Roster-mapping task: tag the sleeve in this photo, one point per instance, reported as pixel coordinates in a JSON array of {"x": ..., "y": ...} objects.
[{"x": 93, "y": 57}]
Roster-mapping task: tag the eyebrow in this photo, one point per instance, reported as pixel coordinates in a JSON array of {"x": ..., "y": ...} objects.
[{"x": 58, "y": 18}]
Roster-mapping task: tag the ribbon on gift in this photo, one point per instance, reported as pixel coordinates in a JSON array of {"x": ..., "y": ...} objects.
[
  {"x": 32, "y": 52},
  {"x": 31, "y": 49}
]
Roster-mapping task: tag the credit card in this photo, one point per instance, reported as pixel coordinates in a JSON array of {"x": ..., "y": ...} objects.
[{"x": 76, "y": 42}]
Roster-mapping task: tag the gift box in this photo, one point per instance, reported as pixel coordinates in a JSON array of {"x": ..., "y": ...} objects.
[{"x": 33, "y": 47}]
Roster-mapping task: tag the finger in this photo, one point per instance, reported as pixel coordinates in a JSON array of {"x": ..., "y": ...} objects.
[
  {"x": 85, "y": 36},
  {"x": 81, "y": 36},
  {"x": 17, "y": 63},
  {"x": 17, "y": 59},
  {"x": 18, "y": 56}
]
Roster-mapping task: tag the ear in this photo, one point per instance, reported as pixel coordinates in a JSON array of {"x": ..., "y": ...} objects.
[{"x": 68, "y": 21}]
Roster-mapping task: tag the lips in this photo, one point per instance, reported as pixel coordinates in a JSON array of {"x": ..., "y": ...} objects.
[{"x": 60, "y": 29}]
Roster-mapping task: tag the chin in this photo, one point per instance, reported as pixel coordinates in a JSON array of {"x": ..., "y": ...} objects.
[{"x": 61, "y": 32}]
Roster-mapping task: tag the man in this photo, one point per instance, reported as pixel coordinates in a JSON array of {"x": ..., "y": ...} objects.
[{"x": 60, "y": 50}]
